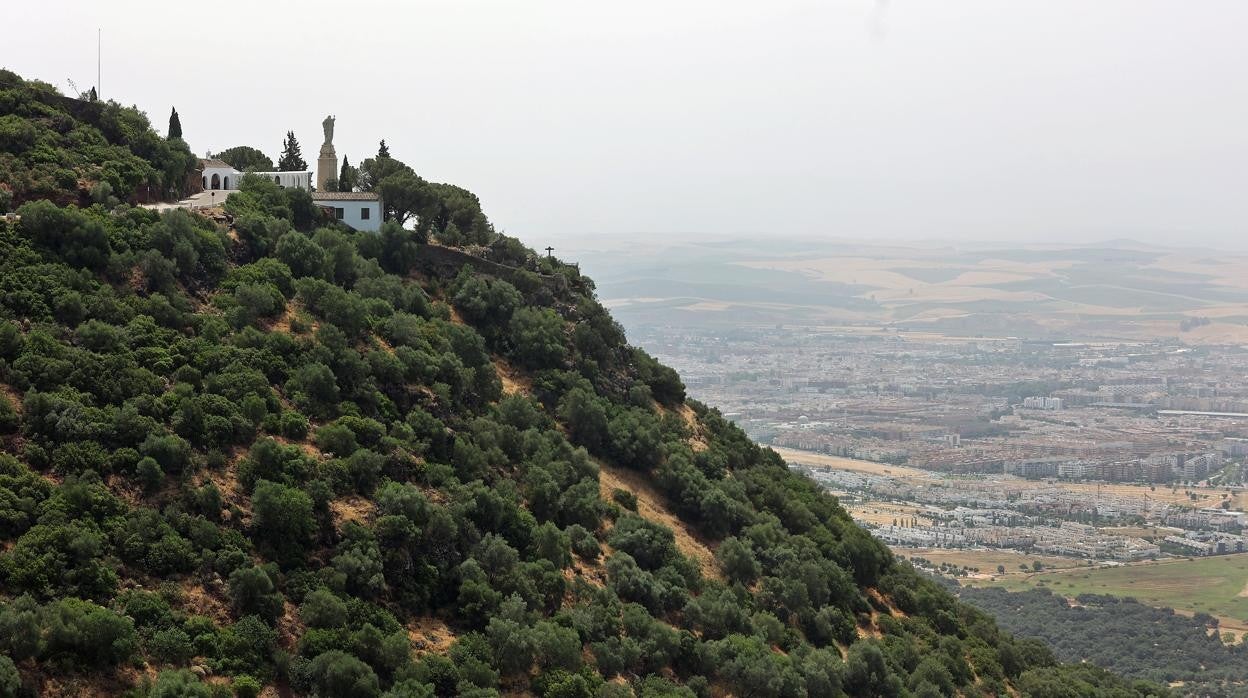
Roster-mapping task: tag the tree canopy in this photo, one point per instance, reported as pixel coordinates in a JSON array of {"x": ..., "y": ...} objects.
[
  {"x": 291, "y": 159},
  {"x": 246, "y": 159},
  {"x": 175, "y": 125}
]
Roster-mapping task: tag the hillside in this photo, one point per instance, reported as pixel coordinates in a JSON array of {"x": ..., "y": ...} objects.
[{"x": 283, "y": 457}]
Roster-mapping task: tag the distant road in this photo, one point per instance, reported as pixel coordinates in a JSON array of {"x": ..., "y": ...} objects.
[{"x": 1205, "y": 414}]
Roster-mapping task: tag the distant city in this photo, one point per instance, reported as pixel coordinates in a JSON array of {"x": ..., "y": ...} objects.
[
  {"x": 998, "y": 430},
  {"x": 1071, "y": 418}
]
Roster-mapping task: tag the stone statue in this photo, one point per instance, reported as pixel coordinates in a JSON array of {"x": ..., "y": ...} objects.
[
  {"x": 327, "y": 163},
  {"x": 328, "y": 125}
]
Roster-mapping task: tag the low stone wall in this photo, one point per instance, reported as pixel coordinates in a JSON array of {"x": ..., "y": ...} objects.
[{"x": 437, "y": 260}]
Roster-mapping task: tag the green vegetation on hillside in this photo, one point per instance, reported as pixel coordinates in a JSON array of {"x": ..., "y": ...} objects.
[
  {"x": 291, "y": 454},
  {"x": 74, "y": 152}
]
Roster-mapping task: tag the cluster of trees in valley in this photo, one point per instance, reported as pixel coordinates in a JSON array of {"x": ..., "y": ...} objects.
[{"x": 1125, "y": 636}]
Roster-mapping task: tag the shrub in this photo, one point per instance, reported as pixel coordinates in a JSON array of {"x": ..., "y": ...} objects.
[
  {"x": 337, "y": 674},
  {"x": 539, "y": 338},
  {"x": 584, "y": 544},
  {"x": 252, "y": 592},
  {"x": 10, "y": 679},
  {"x": 624, "y": 498},
  {"x": 293, "y": 426},
  {"x": 246, "y": 687},
  {"x": 321, "y": 609},
  {"x": 650, "y": 544},
  {"x": 282, "y": 521},
  {"x": 170, "y": 646},
  {"x": 84, "y": 633},
  {"x": 179, "y": 683},
  {"x": 9, "y": 420}
]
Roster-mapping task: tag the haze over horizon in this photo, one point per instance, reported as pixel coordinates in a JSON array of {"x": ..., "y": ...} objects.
[{"x": 1019, "y": 122}]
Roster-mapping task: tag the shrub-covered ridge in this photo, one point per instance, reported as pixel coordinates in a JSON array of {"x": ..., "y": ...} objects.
[{"x": 286, "y": 455}]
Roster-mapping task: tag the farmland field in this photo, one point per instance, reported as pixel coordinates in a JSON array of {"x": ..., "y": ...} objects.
[
  {"x": 1214, "y": 585},
  {"x": 1124, "y": 292},
  {"x": 987, "y": 560}
]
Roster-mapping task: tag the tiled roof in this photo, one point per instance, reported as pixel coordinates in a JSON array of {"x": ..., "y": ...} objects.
[
  {"x": 213, "y": 162},
  {"x": 344, "y": 196}
]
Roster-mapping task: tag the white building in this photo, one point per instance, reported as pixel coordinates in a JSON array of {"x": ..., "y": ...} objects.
[
  {"x": 1042, "y": 403},
  {"x": 290, "y": 180},
  {"x": 359, "y": 209},
  {"x": 218, "y": 175},
  {"x": 1076, "y": 470}
]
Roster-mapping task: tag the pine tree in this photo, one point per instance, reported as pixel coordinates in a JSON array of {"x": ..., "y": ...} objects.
[
  {"x": 292, "y": 155},
  {"x": 347, "y": 177},
  {"x": 383, "y": 151},
  {"x": 175, "y": 124}
]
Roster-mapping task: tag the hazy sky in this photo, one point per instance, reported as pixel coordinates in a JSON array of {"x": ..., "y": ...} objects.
[{"x": 1006, "y": 120}]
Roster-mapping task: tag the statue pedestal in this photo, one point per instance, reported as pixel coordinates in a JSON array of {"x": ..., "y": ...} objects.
[{"x": 326, "y": 166}]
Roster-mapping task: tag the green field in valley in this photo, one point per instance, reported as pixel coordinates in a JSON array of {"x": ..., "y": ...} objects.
[{"x": 1214, "y": 585}]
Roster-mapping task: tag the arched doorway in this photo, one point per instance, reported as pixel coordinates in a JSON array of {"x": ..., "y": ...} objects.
[
  {"x": 277, "y": 179},
  {"x": 225, "y": 182},
  {"x": 216, "y": 181}
]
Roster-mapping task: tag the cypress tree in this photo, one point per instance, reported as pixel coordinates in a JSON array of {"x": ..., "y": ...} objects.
[
  {"x": 175, "y": 124},
  {"x": 347, "y": 176},
  {"x": 292, "y": 155},
  {"x": 382, "y": 150}
]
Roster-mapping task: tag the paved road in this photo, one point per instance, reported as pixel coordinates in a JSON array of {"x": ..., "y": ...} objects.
[
  {"x": 204, "y": 199},
  {"x": 207, "y": 198}
]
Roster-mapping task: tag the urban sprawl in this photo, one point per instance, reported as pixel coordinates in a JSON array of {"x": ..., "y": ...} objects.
[{"x": 1109, "y": 451}]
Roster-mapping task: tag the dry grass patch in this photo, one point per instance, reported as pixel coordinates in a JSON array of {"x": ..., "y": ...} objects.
[
  {"x": 124, "y": 490},
  {"x": 353, "y": 508},
  {"x": 382, "y": 344},
  {"x": 697, "y": 435},
  {"x": 886, "y": 602},
  {"x": 226, "y": 480},
  {"x": 430, "y": 635},
  {"x": 198, "y": 599},
  {"x": 289, "y": 627},
  {"x": 117, "y": 683},
  {"x": 15, "y": 398},
  {"x": 514, "y": 382},
  {"x": 305, "y": 445},
  {"x": 282, "y": 322},
  {"x": 870, "y": 629},
  {"x": 652, "y": 505},
  {"x": 593, "y": 573}
]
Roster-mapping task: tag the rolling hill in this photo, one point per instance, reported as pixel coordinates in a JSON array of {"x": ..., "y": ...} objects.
[{"x": 254, "y": 452}]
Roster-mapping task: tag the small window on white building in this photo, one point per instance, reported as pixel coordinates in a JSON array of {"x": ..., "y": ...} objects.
[
  {"x": 364, "y": 213},
  {"x": 339, "y": 213}
]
